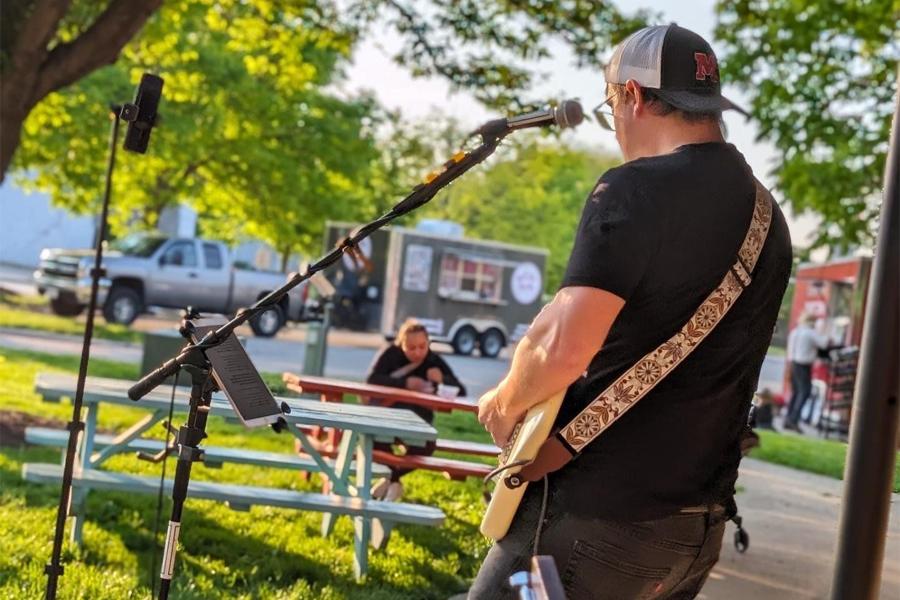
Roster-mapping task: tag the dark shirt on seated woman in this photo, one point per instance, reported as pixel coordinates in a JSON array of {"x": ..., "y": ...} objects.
[{"x": 391, "y": 369}]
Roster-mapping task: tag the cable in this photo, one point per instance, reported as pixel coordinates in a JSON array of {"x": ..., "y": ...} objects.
[{"x": 540, "y": 523}]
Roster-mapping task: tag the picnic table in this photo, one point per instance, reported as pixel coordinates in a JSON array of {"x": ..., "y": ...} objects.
[
  {"x": 348, "y": 494},
  {"x": 335, "y": 390}
]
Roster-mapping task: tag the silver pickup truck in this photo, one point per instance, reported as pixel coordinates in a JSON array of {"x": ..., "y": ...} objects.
[{"x": 152, "y": 270}]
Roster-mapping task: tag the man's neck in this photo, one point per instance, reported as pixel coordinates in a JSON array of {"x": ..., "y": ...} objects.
[{"x": 670, "y": 135}]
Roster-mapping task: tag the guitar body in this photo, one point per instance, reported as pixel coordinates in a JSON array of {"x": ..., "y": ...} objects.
[{"x": 524, "y": 445}]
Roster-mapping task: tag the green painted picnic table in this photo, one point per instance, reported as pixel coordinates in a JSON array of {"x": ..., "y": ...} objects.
[{"x": 348, "y": 495}]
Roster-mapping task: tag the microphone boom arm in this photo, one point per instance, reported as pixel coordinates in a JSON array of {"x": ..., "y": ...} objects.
[{"x": 435, "y": 181}]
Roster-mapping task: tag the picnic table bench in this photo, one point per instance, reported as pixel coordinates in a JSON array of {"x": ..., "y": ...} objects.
[
  {"x": 333, "y": 390},
  {"x": 348, "y": 495}
]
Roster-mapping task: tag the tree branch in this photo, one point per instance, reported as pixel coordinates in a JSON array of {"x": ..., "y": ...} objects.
[
  {"x": 39, "y": 28},
  {"x": 20, "y": 79},
  {"x": 99, "y": 45},
  {"x": 419, "y": 30}
]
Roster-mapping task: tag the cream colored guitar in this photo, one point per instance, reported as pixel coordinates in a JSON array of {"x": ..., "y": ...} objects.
[{"x": 527, "y": 439}]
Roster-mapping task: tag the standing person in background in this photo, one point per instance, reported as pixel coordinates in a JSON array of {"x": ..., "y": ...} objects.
[
  {"x": 803, "y": 347},
  {"x": 410, "y": 364}
]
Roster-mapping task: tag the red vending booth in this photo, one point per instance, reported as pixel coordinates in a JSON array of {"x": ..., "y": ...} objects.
[{"x": 833, "y": 292}]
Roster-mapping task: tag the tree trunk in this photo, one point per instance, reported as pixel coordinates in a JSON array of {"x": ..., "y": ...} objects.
[
  {"x": 285, "y": 257},
  {"x": 35, "y": 70},
  {"x": 10, "y": 132}
]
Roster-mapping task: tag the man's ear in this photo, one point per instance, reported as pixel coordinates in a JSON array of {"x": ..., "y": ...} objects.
[{"x": 634, "y": 88}]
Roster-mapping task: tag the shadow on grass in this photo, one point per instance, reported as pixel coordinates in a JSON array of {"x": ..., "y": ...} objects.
[{"x": 206, "y": 544}]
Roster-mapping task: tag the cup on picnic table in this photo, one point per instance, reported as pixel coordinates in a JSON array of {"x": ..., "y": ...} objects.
[{"x": 447, "y": 391}]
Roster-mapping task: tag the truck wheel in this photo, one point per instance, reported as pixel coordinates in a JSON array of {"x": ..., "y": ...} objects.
[
  {"x": 66, "y": 306},
  {"x": 465, "y": 340},
  {"x": 268, "y": 322},
  {"x": 491, "y": 343},
  {"x": 123, "y": 305}
]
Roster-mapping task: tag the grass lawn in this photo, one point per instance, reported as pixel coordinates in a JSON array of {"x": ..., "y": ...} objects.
[
  {"x": 264, "y": 553},
  {"x": 825, "y": 457},
  {"x": 33, "y": 312}
]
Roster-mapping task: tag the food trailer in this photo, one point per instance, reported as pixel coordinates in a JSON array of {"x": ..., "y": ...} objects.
[{"x": 472, "y": 294}]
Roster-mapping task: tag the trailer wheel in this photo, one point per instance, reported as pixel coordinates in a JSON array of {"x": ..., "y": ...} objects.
[
  {"x": 465, "y": 340},
  {"x": 491, "y": 343}
]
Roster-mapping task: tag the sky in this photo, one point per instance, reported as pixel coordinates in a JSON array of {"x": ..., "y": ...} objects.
[{"x": 373, "y": 70}]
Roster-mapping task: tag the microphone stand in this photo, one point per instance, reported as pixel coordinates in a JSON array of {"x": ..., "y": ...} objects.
[
  {"x": 193, "y": 356},
  {"x": 54, "y": 568}
]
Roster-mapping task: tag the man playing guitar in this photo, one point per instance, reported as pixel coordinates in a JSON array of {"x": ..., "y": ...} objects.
[{"x": 640, "y": 512}]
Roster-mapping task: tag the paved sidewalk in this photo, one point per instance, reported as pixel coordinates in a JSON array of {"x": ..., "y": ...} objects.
[{"x": 792, "y": 518}]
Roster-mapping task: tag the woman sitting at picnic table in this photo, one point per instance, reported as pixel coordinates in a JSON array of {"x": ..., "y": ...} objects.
[{"x": 409, "y": 363}]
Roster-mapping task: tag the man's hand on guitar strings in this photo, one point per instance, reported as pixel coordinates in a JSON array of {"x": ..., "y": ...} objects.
[{"x": 490, "y": 414}]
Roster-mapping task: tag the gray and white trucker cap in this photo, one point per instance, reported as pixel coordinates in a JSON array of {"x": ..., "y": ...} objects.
[{"x": 676, "y": 63}]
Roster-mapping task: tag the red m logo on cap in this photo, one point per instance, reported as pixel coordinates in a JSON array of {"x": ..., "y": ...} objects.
[{"x": 706, "y": 66}]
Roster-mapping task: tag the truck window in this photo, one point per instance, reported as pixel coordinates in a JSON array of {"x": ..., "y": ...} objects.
[
  {"x": 470, "y": 278},
  {"x": 212, "y": 256},
  {"x": 138, "y": 245},
  {"x": 181, "y": 254}
]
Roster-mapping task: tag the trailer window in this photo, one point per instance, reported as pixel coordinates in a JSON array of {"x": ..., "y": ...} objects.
[{"x": 470, "y": 279}]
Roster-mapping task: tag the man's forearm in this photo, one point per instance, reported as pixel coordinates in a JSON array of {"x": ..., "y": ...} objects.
[
  {"x": 540, "y": 368},
  {"x": 559, "y": 346}
]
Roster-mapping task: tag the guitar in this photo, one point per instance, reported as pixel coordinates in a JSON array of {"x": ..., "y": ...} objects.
[{"x": 523, "y": 446}]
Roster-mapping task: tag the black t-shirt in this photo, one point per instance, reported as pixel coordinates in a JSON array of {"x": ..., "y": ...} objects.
[{"x": 661, "y": 232}]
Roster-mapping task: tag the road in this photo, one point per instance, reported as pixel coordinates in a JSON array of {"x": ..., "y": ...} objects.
[{"x": 349, "y": 354}]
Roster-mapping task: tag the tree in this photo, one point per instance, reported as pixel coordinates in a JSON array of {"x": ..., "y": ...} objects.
[
  {"x": 531, "y": 194},
  {"x": 478, "y": 45},
  {"x": 47, "y": 45},
  {"x": 249, "y": 137},
  {"x": 821, "y": 77}
]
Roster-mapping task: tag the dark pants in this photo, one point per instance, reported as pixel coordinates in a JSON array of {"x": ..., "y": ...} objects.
[
  {"x": 801, "y": 386},
  {"x": 600, "y": 559},
  {"x": 426, "y": 450}
]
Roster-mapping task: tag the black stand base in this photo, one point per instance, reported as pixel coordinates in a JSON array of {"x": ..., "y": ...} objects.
[{"x": 190, "y": 435}]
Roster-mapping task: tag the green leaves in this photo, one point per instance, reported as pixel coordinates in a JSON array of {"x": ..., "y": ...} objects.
[
  {"x": 247, "y": 135},
  {"x": 481, "y": 46},
  {"x": 821, "y": 77},
  {"x": 254, "y": 133}
]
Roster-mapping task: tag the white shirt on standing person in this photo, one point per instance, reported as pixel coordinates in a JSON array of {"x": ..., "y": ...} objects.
[{"x": 804, "y": 344}]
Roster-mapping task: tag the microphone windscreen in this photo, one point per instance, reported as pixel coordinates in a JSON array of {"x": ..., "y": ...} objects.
[{"x": 569, "y": 114}]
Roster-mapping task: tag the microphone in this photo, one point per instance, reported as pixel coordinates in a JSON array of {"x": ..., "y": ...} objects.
[{"x": 568, "y": 114}]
